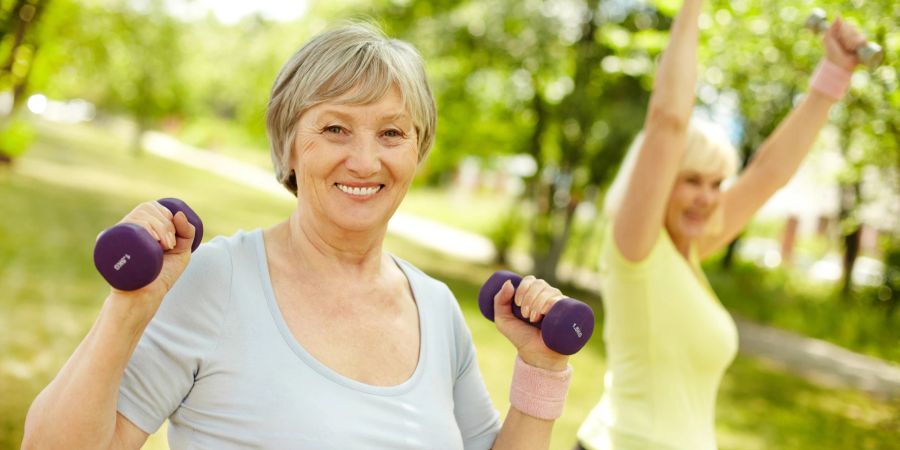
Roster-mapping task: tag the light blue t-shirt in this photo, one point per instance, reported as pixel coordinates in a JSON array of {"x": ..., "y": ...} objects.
[{"x": 219, "y": 361}]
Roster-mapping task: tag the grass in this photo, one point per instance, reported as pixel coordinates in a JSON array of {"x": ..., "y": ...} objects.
[
  {"x": 77, "y": 180},
  {"x": 779, "y": 298}
]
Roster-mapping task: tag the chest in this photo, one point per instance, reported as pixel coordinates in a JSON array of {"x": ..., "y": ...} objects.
[{"x": 367, "y": 334}]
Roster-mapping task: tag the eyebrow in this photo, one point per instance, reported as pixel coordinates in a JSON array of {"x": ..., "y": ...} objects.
[{"x": 402, "y": 115}]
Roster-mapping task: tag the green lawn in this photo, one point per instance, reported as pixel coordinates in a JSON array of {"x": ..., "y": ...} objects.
[{"x": 77, "y": 180}]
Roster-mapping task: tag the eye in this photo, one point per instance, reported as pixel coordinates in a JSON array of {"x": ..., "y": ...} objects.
[
  {"x": 333, "y": 129},
  {"x": 393, "y": 133}
]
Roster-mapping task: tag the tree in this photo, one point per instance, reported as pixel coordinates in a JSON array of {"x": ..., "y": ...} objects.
[
  {"x": 17, "y": 52},
  {"x": 760, "y": 53}
]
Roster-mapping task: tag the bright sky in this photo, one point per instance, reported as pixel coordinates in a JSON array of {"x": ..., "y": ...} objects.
[{"x": 231, "y": 11}]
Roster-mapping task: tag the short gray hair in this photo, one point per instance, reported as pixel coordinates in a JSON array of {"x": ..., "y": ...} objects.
[{"x": 356, "y": 57}]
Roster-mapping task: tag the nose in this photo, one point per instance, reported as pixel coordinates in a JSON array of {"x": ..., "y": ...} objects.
[
  {"x": 364, "y": 159},
  {"x": 707, "y": 196}
]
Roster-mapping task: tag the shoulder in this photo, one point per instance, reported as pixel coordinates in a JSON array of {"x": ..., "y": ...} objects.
[
  {"x": 612, "y": 259},
  {"x": 202, "y": 295},
  {"x": 424, "y": 284},
  {"x": 433, "y": 296}
]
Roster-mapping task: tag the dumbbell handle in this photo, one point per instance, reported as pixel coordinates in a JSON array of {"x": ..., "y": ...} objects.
[
  {"x": 870, "y": 54},
  {"x": 566, "y": 327}
]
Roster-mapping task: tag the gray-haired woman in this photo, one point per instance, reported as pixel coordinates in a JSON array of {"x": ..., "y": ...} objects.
[{"x": 307, "y": 334}]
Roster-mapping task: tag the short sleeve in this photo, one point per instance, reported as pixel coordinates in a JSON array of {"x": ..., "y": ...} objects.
[
  {"x": 161, "y": 372},
  {"x": 478, "y": 420}
]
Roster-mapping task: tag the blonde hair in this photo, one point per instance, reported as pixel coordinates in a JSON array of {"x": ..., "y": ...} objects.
[
  {"x": 357, "y": 57},
  {"x": 707, "y": 151}
]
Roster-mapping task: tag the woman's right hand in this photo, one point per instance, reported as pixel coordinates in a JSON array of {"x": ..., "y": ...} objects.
[
  {"x": 175, "y": 236},
  {"x": 841, "y": 41}
]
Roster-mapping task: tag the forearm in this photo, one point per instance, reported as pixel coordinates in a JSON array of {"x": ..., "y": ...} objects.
[
  {"x": 521, "y": 431},
  {"x": 779, "y": 157},
  {"x": 78, "y": 408},
  {"x": 676, "y": 77}
]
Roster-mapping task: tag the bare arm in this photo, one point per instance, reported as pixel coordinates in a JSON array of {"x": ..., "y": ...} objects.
[
  {"x": 519, "y": 430},
  {"x": 78, "y": 408},
  {"x": 779, "y": 157},
  {"x": 640, "y": 217}
]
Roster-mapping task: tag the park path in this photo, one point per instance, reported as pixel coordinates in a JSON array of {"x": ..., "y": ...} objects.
[{"x": 815, "y": 360}]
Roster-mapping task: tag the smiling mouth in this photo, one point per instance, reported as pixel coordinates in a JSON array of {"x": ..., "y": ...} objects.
[
  {"x": 359, "y": 191},
  {"x": 695, "y": 216}
]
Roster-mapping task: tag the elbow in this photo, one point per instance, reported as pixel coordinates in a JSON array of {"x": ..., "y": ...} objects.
[
  {"x": 666, "y": 118},
  {"x": 31, "y": 438}
]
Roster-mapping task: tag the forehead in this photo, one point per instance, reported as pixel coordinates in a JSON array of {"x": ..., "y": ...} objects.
[
  {"x": 389, "y": 106},
  {"x": 705, "y": 176}
]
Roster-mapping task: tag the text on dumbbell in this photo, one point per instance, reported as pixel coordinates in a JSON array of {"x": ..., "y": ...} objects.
[
  {"x": 122, "y": 261},
  {"x": 577, "y": 330}
]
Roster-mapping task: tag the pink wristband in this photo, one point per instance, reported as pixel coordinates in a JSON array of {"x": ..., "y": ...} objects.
[
  {"x": 831, "y": 80},
  {"x": 539, "y": 392}
]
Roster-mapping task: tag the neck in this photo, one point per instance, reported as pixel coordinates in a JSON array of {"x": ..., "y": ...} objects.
[
  {"x": 324, "y": 251},
  {"x": 682, "y": 244}
]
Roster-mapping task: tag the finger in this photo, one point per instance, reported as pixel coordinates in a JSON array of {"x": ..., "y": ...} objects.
[
  {"x": 543, "y": 303},
  {"x": 148, "y": 217},
  {"x": 554, "y": 295},
  {"x": 165, "y": 211},
  {"x": 523, "y": 288},
  {"x": 162, "y": 227},
  {"x": 184, "y": 232},
  {"x": 531, "y": 298},
  {"x": 503, "y": 303},
  {"x": 166, "y": 218},
  {"x": 849, "y": 37}
]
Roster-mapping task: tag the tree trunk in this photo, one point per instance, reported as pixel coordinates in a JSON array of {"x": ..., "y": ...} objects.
[
  {"x": 851, "y": 230},
  {"x": 728, "y": 257},
  {"x": 547, "y": 263}
]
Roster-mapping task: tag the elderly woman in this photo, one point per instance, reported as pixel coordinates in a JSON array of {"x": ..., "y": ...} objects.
[
  {"x": 307, "y": 334},
  {"x": 668, "y": 338}
]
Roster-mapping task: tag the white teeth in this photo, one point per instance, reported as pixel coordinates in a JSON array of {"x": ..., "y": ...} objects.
[{"x": 359, "y": 191}]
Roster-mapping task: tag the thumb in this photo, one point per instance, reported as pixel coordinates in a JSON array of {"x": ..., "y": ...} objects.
[
  {"x": 503, "y": 302},
  {"x": 184, "y": 232}
]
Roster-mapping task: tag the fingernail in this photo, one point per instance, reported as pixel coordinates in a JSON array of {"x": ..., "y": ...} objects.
[{"x": 525, "y": 312}]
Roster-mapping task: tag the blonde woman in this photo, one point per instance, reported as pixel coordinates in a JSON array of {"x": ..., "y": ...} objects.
[{"x": 668, "y": 338}]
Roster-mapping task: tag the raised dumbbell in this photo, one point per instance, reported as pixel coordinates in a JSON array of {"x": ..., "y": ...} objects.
[
  {"x": 129, "y": 258},
  {"x": 870, "y": 54},
  {"x": 565, "y": 328}
]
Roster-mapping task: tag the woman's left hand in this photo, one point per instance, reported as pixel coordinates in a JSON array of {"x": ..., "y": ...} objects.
[{"x": 535, "y": 296}]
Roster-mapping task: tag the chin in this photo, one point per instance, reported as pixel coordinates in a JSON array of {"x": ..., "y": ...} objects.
[{"x": 693, "y": 230}]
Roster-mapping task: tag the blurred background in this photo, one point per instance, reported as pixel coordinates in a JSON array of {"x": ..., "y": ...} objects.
[{"x": 108, "y": 103}]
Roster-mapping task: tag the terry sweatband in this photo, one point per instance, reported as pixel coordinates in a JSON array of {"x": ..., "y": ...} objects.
[
  {"x": 831, "y": 80},
  {"x": 539, "y": 392}
]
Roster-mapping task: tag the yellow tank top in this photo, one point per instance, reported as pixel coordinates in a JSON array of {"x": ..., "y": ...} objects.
[{"x": 668, "y": 342}]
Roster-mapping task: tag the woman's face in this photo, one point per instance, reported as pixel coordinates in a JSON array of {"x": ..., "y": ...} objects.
[
  {"x": 693, "y": 200},
  {"x": 354, "y": 163}
]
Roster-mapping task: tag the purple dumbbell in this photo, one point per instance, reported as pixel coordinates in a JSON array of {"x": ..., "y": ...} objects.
[
  {"x": 565, "y": 328},
  {"x": 129, "y": 258}
]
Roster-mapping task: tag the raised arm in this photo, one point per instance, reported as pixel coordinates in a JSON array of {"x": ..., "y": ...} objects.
[
  {"x": 779, "y": 157},
  {"x": 78, "y": 408},
  {"x": 640, "y": 216}
]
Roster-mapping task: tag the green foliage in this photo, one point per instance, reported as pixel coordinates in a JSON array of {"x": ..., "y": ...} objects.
[
  {"x": 779, "y": 298},
  {"x": 15, "y": 137}
]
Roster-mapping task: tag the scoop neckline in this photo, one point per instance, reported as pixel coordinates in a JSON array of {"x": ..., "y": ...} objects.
[{"x": 309, "y": 360}]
